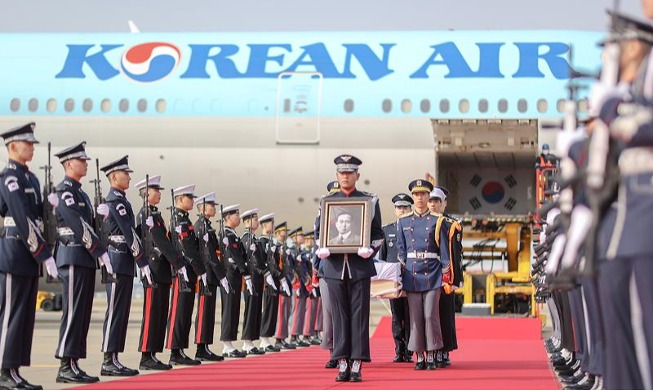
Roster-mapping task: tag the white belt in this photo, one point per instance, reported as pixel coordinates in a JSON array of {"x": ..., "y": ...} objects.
[
  {"x": 636, "y": 160},
  {"x": 65, "y": 231},
  {"x": 117, "y": 239},
  {"x": 9, "y": 222},
  {"x": 423, "y": 255}
]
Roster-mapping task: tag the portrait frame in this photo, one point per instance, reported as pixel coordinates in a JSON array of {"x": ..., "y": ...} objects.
[{"x": 345, "y": 223}]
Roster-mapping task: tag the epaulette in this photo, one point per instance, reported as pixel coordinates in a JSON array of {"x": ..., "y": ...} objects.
[
  {"x": 407, "y": 215},
  {"x": 390, "y": 224},
  {"x": 118, "y": 194}
]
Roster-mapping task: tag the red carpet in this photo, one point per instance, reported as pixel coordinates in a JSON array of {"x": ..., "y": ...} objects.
[{"x": 494, "y": 353}]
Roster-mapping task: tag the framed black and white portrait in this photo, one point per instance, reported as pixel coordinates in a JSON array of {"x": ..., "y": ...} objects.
[{"x": 345, "y": 224}]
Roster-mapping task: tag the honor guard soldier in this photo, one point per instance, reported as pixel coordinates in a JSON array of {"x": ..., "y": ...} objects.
[
  {"x": 78, "y": 251},
  {"x": 399, "y": 306},
  {"x": 187, "y": 242},
  {"x": 261, "y": 277},
  {"x": 216, "y": 276},
  {"x": 312, "y": 323},
  {"x": 270, "y": 295},
  {"x": 327, "y": 314},
  {"x": 426, "y": 263},
  {"x": 348, "y": 280},
  {"x": 162, "y": 258},
  {"x": 301, "y": 279},
  {"x": 125, "y": 250},
  {"x": 234, "y": 257},
  {"x": 22, "y": 250},
  {"x": 285, "y": 263}
]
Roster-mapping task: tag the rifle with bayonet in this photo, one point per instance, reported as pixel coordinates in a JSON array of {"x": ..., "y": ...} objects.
[
  {"x": 204, "y": 288},
  {"x": 146, "y": 238},
  {"x": 174, "y": 237},
  {"x": 49, "y": 220},
  {"x": 98, "y": 223}
]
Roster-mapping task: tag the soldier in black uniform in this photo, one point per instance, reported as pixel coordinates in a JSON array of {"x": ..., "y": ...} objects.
[
  {"x": 234, "y": 257},
  {"x": 270, "y": 295},
  {"x": 313, "y": 304},
  {"x": 125, "y": 250},
  {"x": 77, "y": 253},
  {"x": 301, "y": 280},
  {"x": 283, "y": 257},
  {"x": 185, "y": 239},
  {"x": 22, "y": 250},
  {"x": 162, "y": 258},
  {"x": 261, "y": 277},
  {"x": 348, "y": 280},
  {"x": 216, "y": 275},
  {"x": 399, "y": 306}
]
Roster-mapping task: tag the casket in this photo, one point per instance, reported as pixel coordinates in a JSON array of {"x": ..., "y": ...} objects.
[{"x": 387, "y": 282}]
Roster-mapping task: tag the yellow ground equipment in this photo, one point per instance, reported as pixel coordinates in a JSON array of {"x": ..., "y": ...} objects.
[{"x": 48, "y": 301}]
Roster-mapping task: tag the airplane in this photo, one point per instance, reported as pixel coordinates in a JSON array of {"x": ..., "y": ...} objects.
[{"x": 258, "y": 118}]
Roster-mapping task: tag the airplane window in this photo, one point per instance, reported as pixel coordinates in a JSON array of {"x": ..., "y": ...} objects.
[
  {"x": 542, "y": 106},
  {"x": 502, "y": 105},
  {"x": 582, "y": 105},
  {"x": 425, "y": 105},
  {"x": 33, "y": 104},
  {"x": 349, "y": 105},
  {"x": 483, "y": 105},
  {"x": 123, "y": 105},
  {"x": 522, "y": 105},
  {"x": 463, "y": 106},
  {"x": 87, "y": 105},
  {"x": 560, "y": 105},
  {"x": 141, "y": 105},
  {"x": 444, "y": 105},
  {"x": 69, "y": 105},
  {"x": 161, "y": 106},
  {"x": 406, "y": 106},
  {"x": 15, "y": 104},
  {"x": 51, "y": 105},
  {"x": 387, "y": 105},
  {"x": 105, "y": 105}
]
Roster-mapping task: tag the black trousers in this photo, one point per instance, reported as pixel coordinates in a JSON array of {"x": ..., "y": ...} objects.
[
  {"x": 350, "y": 303},
  {"x": 17, "y": 311},
  {"x": 155, "y": 314},
  {"x": 116, "y": 319},
  {"x": 400, "y": 324},
  {"x": 205, "y": 317},
  {"x": 578, "y": 324},
  {"x": 253, "y": 312},
  {"x": 596, "y": 338},
  {"x": 180, "y": 317},
  {"x": 566, "y": 325},
  {"x": 231, "y": 310},
  {"x": 269, "y": 317},
  {"x": 78, "y": 291},
  {"x": 448, "y": 321}
]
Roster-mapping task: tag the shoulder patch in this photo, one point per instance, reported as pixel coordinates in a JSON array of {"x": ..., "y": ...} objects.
[
  {"x": 122, "y": 210},
  {"x": 12, "y": 183},
  {"x": 68, "y": 198}
]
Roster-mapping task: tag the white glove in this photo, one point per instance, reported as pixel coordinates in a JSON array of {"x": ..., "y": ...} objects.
[
  {"x": 53, "y": 199},
  {"x": 103, "y": 210},
  {"x": 323, "y": 253},
  {"x": 270, "y": 281},
  {"x": 203, "y": 277},
  {"x": 288, "y": 252},
  {"x": 224, "y": 282},
  {"x": 248, "y": 283},
  {"x": 51, "y": 267},
  {"x": 148, "y": 274},
  {"x": 178, "y": 229},
  {"x": 182, "y": 272},
  {"x": 284, "y": 286},
  {"x": 365, "y": 252},
  {"x": 205, "y": 237},
  {"x": 252, "y": 248},
  {"x": 149, "y": 221},
  {"x": 106, "y": 262},
  {"x": 314, "y": 292}
]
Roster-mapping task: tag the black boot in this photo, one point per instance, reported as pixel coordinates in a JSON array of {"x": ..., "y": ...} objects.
[
  {"x": 178, "y": 357},
  {"x": 445, "y": 359},
  {"x": 69, "y": 372},
  {"x": 111, "y": 366},
  {"x": 150, "y": 362},
  {"x": 204, "y": 354},
  {"x": 343, "y": 371},
  {"x": 430, "y": 360},
  {"x": 408, "y": 356},
  {"x": 355, "y": 374},
  {"x": 11, "y": 379},
  {"x": 421, "y": 363}
]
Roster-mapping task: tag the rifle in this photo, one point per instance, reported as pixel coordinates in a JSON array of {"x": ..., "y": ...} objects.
[
  {"x": 49, "y": 220},
  {"x": 250, "y": 254},
  {"x": 145, "y": 236},
  {"x": 174, "y": 237},
  {"x": 204, "y": 289},
  {"x": 99, "y": 225}
]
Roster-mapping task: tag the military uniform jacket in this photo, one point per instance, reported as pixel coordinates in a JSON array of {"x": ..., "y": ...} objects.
[
  {"x": 188, "y": 243},
  {"x": 161, "y": 253},
  {"x": 270, "y": 252},
  {"x": 125, "y": 245},
  {"x": 235, "y": 257},
  {"x": 455, "y": 246},
  {"x": 22, "y": 247},
  {"x": 425, "y": 258},
  {"x": 209, "y": 252},
  {"x": 285, "y": 262},
  {"x": 388, "y": 251},
  {"x": 355, "y": 267},
  {"x": 257, "y": 260},
  {"x": 77, "y": 243},
  {"x": 302, "y": 274}
]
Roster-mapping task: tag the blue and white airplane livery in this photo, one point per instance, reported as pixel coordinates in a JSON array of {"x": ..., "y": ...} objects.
[{"x": 259, "y": 117}]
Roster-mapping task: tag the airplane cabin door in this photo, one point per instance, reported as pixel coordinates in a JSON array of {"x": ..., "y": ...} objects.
[{"x": 299, "y": 103}]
